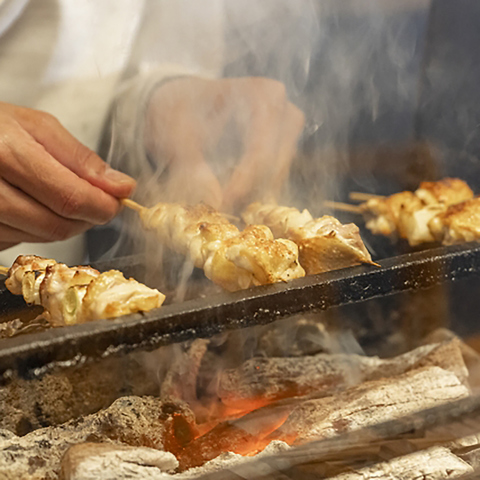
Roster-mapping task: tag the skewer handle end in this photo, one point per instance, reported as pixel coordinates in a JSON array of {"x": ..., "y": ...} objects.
[
  {"x": 344, "y": 207},
  {"x": 364, "y": 197}
]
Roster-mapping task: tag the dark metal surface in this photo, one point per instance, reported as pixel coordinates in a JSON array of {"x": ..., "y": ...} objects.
[{"x": 36, "y": 353}]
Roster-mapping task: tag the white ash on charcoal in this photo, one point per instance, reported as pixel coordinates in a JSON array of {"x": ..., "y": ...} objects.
[
  {"x": 260, "y": 381},
  {"x": 435, "y": 463},
  {"x": 133, "y": 421},
  {"x": 193, "y": 371},
  {"x": 470, "y": 356},
  {"x": 358, "y": 407},
  {"x": 371, "y": 403},
  {"x": 470, "y": 454},
  {"x": 362, "y": 456},
  {"x": 229, "y": 459},
  {"x": 181, "y": 379},
  {"x": 296, "y": 337},
  {"x": 426, "y": 377},
  {"x": 92, "y": 461},
  {"x": 461, "y": 434}
]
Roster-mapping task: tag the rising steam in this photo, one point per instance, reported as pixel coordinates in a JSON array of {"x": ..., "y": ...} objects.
[{"x": 351, "y": 66}]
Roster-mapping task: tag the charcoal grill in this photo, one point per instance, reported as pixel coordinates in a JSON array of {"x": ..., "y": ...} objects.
[
  {"x": 320, "y": 459},
  {"x": 36, "y": 353}
]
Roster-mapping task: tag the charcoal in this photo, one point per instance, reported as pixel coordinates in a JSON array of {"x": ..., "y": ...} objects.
[
  {"x": 371, "y": 403},
  {"x": 90, "y": 461},
  {"x": 261, "y": 381},
  {"x": 181, "y": 379},
  {"x": 435, "y": 463},
  {"x": 293, "y": 337},
  {"x": 242, "y": 436},
  {"x": 358, "y": 407},
  {"x": 56, "y": 398},
  {"x": 138, "y": 422}
]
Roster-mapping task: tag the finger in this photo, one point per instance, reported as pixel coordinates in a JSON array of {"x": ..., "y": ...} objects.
[
  {"x": 271, "y": 143},
  {"x": 5, "y": 245},
  {"x": 188, "y": 108},
  {"x": 191, "y": 178},
  {"x": 9, "y": 234},
  {"x": 208, "y": 186},
  {"x": 23, "y": 214},
  {"x": 28, "y": 166},
  {"x": 259, "y": 156},
  {"x": 290, "y": 132},
  {"x": 71, "y": 153},
  {"x": 193, "y": 185}
]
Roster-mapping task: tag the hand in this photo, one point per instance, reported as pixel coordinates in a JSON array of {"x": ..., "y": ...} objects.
[
  {"x": 189, "y": 117},
  {"x": 51, "y": 186}
]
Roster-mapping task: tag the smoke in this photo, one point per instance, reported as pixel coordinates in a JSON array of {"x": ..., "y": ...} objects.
[
  {"x": 362, "y": 92},
  {"x": 352, "y": 67}
]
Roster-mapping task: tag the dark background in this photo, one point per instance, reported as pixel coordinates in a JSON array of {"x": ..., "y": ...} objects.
[{"x": 409, "y": 92}]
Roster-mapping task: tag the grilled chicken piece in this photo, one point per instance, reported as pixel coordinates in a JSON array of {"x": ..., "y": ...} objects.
[
  {"x": 413, "y": 222},
  {"x": 448, "y": 191},
  {"x": 108, "y": 295},
  {"x": 324, "y": 243},
  {"x": 382, "y": 213},
  {"x": 407, "y": 214},
  {"x": 232, "y": 259},
  {"x": 253, "y": 258},
  {"x": 458, "y": 223},
  {"x": 22, "y": 265},
  {"x": 177, "y": 225},
  {"x": 50, "y": 284},
  {"x": 278, "y": 218},
  {"x": 57, "y": 279}
]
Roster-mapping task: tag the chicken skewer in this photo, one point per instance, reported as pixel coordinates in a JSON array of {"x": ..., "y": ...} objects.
[
  {"x": 410, "y": 215},
  {"x": 73, "y": 295},
  {"x": 109, "y": 295},
  {"x": 458, "y": 223},
  {"x": 407, "y": 213},
  {"x": 232, "y": 259},
  {"x": 324, "y": 243}
]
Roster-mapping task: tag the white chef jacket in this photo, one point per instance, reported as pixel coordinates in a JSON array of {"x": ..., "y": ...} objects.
[{"x": 66, "y": 57}]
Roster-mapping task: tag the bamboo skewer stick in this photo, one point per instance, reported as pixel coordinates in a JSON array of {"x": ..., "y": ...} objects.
[
  {"x": 140, "y": 208},
  {"x": 4, "y": 270},
  {"x": 132, "y": 205},
  {"x": 363, "y": 197},
  {"x": 345, "y": 207}
]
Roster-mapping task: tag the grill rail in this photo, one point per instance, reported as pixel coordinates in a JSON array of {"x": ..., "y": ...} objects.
[{"x": 36, "y": 353}]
